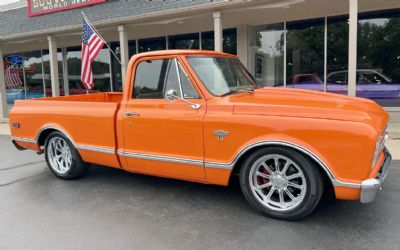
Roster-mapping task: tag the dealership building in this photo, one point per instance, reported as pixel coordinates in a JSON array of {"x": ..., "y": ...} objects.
[{"x": 349, "y": 47}]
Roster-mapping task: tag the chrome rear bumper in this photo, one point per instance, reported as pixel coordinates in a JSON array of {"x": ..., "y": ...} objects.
[{"x": 370, "y": 187}]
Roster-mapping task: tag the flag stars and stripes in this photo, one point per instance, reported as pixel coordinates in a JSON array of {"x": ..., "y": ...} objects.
[
  {"x": 12, "y": 79},
  {"x": 91, "y": 46}
]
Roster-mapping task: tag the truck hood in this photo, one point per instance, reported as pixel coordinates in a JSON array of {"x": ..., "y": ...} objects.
[{"x": 309, "y": 104}]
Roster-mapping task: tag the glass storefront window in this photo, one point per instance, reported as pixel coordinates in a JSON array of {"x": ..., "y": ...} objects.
[
  {"x": 152, "y": 44},
  {"x": 378, "y": 69},
  {"x": 266, "y": 51},
  {"x": 33, "y": 74},
  {"x": 13, "y": 77},
  {"x": 207, "y": 40},
  {"x": 305, "y": 54},
  {"x": 186, "y": 41},
  {"x": 47, "y": 78},
  {"x": 229, "y": 41},
  {"x": 74, "y": 71},
  {"x": 100, "y": 69},
  {"x": 338, "y": 54}
]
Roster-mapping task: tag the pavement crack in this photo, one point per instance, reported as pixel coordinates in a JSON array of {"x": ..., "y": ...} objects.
[
  {"x": 22, "y": 165},
  {"x": 19, "y": 180}
]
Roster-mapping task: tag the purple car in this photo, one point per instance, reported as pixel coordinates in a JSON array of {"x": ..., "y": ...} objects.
[{"x": 370, "y": 84}]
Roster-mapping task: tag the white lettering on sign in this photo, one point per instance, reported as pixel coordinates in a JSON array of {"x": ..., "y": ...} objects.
[{"x": 40, "y": 7}]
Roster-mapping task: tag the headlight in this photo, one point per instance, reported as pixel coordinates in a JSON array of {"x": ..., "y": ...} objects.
[{"x": 380, "y": 144}]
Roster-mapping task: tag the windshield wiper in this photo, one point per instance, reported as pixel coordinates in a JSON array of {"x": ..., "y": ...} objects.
[{"x": 243, "y": 90}]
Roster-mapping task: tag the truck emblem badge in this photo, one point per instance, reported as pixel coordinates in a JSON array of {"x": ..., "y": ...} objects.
[{"x": 221, "y": 134}]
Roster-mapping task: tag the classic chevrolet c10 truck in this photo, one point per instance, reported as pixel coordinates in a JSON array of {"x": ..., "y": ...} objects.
[{"x": 200, "y": 116}]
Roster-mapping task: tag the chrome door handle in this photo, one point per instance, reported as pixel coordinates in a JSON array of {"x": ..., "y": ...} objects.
[{"x": 131, "y": 114}]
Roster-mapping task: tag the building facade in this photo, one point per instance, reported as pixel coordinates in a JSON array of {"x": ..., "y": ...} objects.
[{"x": 348, "y": 47}]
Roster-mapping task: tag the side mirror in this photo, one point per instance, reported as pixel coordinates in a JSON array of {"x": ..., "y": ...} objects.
[{"x": 171, "y": 96}]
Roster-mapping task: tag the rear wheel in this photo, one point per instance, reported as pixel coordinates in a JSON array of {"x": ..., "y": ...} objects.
[
  {"x": 62, "y": 157},
  {"x": 281, "y": 183}
]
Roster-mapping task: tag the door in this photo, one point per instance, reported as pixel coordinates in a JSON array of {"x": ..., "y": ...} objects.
[{"x": 164, "y": 137}]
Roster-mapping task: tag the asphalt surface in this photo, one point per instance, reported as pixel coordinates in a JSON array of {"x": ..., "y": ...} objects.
[{"x": 113, "y": 209}]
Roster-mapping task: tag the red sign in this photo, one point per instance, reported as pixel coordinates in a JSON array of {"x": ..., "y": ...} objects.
[{"x": 41, "y": 7}]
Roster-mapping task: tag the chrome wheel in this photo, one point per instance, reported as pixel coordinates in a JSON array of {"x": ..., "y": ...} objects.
[
  {"x": 277, "y": 182},
  {"x": 59, "y": 155}
]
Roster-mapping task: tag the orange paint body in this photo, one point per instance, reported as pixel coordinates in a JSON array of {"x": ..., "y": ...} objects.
[{"x": 170, "y": 139}]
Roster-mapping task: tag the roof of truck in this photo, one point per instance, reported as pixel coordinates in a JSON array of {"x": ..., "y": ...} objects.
[{"x": 182, "y": 52}]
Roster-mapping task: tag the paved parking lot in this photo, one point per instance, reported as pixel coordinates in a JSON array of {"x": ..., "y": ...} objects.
[{"x": 112, "y": 209}]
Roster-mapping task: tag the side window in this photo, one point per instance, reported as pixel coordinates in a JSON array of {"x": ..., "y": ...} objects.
[
  {"x": 189, "y": 92},
  {"x": 149, "y": 80},
  {"x": 154, "y": 77},
  {"x": 362, "y": 79},
  {"x": 339, "y": 78},
  {"x": 172, "y": 81}
]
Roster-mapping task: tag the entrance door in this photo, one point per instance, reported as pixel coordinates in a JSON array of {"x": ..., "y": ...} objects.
[{"x": 164, "y": 137}]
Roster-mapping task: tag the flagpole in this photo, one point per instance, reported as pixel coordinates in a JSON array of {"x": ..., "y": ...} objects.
[{"x": 95, "y": 30}]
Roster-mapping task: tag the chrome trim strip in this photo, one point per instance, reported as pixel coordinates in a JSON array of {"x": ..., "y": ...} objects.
[
  {"x": 218, "y": 165},
  {"x": 96, "y": 149},
  {"x": 161, "y": 158},
  {"x": 21, "y": 139},
  {"x": 77, "y": 146},
  {"x": 338, "y": 183}
]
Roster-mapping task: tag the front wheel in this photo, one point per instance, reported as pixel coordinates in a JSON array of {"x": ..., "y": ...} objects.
[
  {"x": 62, "y": 157},
  {"x": 281, "y": 183}
]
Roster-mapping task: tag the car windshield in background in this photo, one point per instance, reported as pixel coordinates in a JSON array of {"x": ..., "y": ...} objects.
[
  {"x": 222, "y": 75},
  {"x": 373, "y": 77}
]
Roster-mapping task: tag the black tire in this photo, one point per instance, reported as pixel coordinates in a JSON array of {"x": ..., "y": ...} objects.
[
  {"x": 312, "y": 176},
  {"x": 77, "y": 168}
]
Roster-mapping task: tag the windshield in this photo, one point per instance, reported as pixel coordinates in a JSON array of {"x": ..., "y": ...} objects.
[{"x": 222, "y": 75}]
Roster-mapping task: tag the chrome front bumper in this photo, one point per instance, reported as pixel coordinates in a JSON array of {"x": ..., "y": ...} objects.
[{"x": 370, "y": 187}]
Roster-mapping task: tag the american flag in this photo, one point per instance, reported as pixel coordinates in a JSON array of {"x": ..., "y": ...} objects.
[
  {"x": 12, "y": 79},
  {"x": 91, "y": 46}
]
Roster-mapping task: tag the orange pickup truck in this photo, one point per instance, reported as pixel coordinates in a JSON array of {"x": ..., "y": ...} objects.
[{"x": 200, "y": 116}]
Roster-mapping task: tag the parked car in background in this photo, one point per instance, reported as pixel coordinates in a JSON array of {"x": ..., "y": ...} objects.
[
  {"x": 370, "y": 84},
  {"x": 200, "y": 116},
  {"x": 306, "y": 81}
]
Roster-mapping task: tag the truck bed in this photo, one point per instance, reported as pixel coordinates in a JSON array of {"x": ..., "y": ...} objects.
[{"x": 89, "y": 121}]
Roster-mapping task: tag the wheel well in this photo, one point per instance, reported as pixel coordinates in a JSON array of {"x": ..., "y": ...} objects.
[
  {"x": 236, "y": 169},
  {"x": 43, "y": 136}
]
